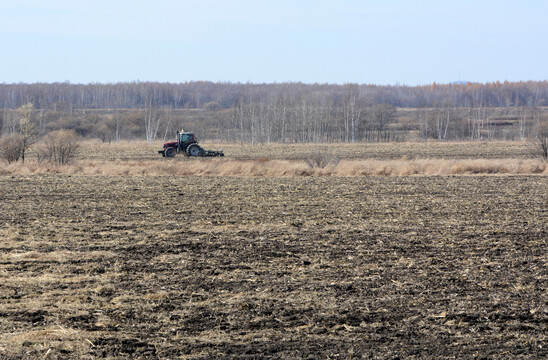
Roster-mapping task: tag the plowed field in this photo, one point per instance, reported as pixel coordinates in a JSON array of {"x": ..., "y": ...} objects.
[{"x": 321, "y": 268}]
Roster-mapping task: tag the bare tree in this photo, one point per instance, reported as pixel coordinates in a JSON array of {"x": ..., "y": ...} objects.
[
  {"x": 11, "y": 122},
  {"x": 542, "y": 144},
  {"x": 422, "y": 118},
  {"x": 169, "y": 114},
  {"x": 2, "y": 116},
  {"x": 352, "y": 111},
  {"x": 152, "y": 120},
  {"x": 382, "y": 114},
  {"x": 238, "y": 116},
  {"x": 440, "y": 119},
  {"x": 27, "y": 127},
  {"x": 117, "y": 124},
  {"x": 522, "y": 121},
  {"x": 540, "y": 141}
]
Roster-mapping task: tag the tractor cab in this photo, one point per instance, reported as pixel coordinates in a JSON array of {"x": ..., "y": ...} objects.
[{"x": 185, "y": 138}]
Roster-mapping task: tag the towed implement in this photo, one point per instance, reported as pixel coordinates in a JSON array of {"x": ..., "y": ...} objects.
[{"x": 187, "y": 143}]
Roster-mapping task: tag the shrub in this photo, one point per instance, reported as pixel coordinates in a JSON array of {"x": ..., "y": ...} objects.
[
  {"x": 59, "y": 146},
  {"x": 212, "y": 106},
  {"x": 11, "y": 147},
  {"x": 321, "y": 159}
]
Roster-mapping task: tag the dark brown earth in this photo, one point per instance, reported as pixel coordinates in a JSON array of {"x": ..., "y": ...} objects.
[{"x": 329, "y": 268}]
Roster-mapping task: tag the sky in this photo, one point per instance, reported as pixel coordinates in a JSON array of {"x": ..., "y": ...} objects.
[{"x": 383, "y": 42}]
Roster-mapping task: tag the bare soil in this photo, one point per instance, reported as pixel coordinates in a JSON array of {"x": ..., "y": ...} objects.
[{"x": 211, "y": 267}]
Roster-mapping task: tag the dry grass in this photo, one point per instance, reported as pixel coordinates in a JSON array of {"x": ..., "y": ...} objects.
[
  {"x": 290, "y": 160},
  {"x": 50, "y": 343},
  {"x": 57, "y": 256},
  {"x": 284, "y": 168}
]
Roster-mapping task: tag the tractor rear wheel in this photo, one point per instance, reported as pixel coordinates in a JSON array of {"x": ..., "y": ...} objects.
[
  {"x": 193, "y": 150},
  {"x": 170, "y": 152}
]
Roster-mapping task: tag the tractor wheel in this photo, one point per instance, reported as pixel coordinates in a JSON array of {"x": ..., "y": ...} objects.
[
  {"x": 193, "y": 150},
  {"x": 170, "y": 152}
]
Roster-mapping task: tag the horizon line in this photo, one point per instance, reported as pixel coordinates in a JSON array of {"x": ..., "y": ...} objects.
[{"x": 397, "y": 84}]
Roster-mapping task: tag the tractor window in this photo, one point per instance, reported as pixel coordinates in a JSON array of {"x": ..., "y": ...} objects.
[{"x": 186, "y": 137}]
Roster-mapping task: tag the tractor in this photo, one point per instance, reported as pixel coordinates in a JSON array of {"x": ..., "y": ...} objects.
[{"x": 186, "y": 143}]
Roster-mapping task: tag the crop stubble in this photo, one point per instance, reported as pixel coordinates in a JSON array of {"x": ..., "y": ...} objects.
[{"x": 161, "y": 267}]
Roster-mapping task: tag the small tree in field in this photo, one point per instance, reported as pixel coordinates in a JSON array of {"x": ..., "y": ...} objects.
[
  {"x": 542, "y": 146},
  {"x": 11, "y": 147},
  {"x": 59, "y": 146},
  {"x": 27, "y": 128},
  {"x": 540, "y": 142}
]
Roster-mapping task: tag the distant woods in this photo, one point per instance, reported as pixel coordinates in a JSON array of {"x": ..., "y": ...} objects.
[
  {"x": 196, "y": 95},
  {"x": 286, "y": 112}
]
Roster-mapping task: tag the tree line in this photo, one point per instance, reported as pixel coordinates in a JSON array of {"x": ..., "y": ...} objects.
[
  {"x": 265, "y": 113},
  {"x": 224, "y": 95}
]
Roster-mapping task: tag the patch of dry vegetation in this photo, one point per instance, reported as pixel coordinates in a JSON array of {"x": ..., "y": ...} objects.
[
  {"x": 49, "y": 343},
  {"x": 289, "y": 160},
  {"x": 286, "y": 168}
]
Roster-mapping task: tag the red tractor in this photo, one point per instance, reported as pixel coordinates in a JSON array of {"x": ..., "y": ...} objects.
[{"x": 186, "y": 143}]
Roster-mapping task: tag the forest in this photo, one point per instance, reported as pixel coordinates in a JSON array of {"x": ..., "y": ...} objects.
[{"x": 285, "y": 112}]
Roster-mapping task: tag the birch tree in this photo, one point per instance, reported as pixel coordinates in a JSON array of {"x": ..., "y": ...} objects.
[
  {"x": 152, "y": 121},
  {"x": 352, "y": 111}
]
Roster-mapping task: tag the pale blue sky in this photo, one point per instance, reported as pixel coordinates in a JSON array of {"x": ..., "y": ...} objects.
[{"x": 374, "y": 42}]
